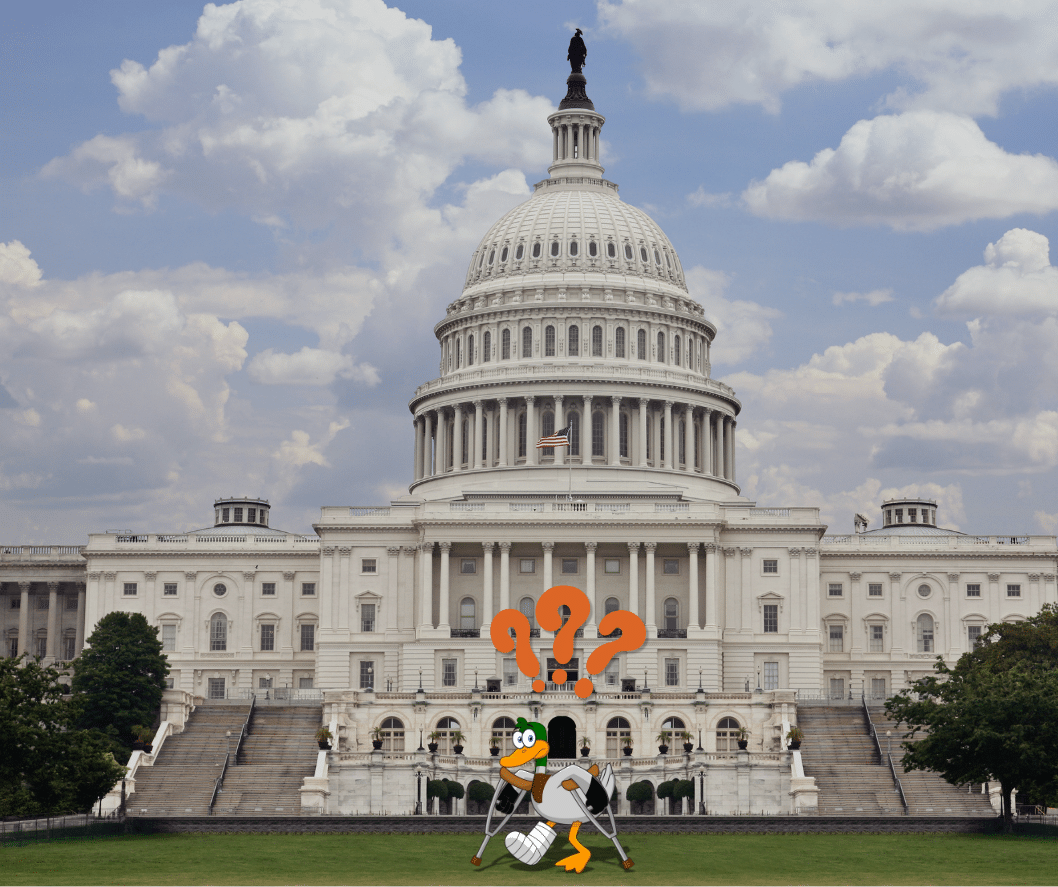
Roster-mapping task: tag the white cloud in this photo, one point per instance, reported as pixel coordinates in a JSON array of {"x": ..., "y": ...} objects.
[
  {"x": 873, "y": 298},
  {"x": 299, "y": 450},
  {"x": 16, "y": 266},
  {"x": 309, "y": 366},
  {"x": 701, "y": 197},
  {"x": 1017, "y": 278},
  {"x": 742, "y": 328},
  {"x": 1048, "y": 522},
  {"x": 916, "y": 171},
  {"x": 127, "y": 435},
  {"x": 951, "y": 55}
]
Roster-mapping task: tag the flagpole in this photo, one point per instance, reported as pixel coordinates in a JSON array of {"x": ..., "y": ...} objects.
[{"x": 568, "y": 459}]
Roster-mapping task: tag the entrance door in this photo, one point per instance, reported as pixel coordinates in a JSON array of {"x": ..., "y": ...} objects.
[{"x": 562, "y": 737}]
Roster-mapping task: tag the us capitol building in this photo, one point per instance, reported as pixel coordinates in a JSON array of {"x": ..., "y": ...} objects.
[{"x": 575, "y": 314}]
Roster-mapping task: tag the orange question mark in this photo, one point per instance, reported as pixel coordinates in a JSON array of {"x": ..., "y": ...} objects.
[
  {"x": 528, "y": 664},
  {"x": 549, "y": 615},
  {"x": 633, "y": 634}
]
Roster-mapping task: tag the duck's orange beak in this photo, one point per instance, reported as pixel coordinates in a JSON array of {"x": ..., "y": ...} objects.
[{"x": 521, "y": 756}]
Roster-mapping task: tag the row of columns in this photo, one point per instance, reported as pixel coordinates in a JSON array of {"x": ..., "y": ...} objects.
[
  {"x": 716, "y": 436},
  {"x": 52, "y": 650},
  {"x": 585, "y": 136},
  {"x": 548, "y": 580}
]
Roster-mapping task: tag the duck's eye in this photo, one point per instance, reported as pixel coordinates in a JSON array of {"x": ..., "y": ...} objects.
[
  {"x": 528, "y": 739},
  {"x": 517, "y": 740}
]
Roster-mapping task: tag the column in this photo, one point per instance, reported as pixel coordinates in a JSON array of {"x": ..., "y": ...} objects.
[
  {"x": 417, "y": 461},
  {"x": 633, "y": 578},
  {"x": 718, "y": 446},
  {"x": 457, "y": 439},
  {"x": 442, "y": 617},
  {"x": 476, "y": 461},
  {"x": 441, "y": 452},
  {"x": 427, "y": 443},
  {"x": 426, "y": 585},
  {"x": 650, "y": 618},
  {"x": 692, "y": 585},
  {"x": 53, "y": 621},
  {"x": 560, "y": 452},
  {"x": 734, "y": 424},
  {"x": 591, "y": 626},
  {"x": 729, "y": 440},
  {"x": 670, "y": 438},
  {"x": 23, "y": 617},
  {"x": 505, "y": 575},
  {"x": 486, "y": 590},
  {"x": 585, "y": 432},
  {"x": 531, "y": 437},
  {"x": 549, "y": 548},
  {"x": 688, "y": 438},
  {"x": 615, "y": 430},
  {"x": 707, "y": 442},
  {"x": 435, "y": 466},
  {"x": 643, "y": 403},
  {"x": 503, "y": 432},
  {"x": 711, "y": 587},
  {"x": 81, "y": 598}
]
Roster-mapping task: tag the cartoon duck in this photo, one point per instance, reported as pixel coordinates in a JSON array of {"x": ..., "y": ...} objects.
[{"x": 552, "y": 795}]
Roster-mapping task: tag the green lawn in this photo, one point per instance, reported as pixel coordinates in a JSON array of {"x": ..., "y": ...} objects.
[{"x": 438, "y": 859}]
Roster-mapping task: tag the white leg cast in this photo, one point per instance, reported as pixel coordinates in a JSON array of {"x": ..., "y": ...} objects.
[{"x": 531, "y": 848}]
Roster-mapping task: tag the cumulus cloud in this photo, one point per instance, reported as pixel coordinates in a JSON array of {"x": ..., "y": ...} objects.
[
  {"x": 299, "y": 449},
  {"x": 16, "y": 266},
  {"x": 309, "y": 366},
  {"x": 873, "y": 298},
  {"x": 917, "y": 171},
  {"x": 950, "y": 55},
  {"x": 742, "y": 328}
]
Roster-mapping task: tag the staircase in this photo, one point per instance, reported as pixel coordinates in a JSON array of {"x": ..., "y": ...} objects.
[
  {"x": 182, "y": 779},
  {"x": 839, "y": 752},
  {"x": 926, "y": 792},
  {"x": 277, "y": 754}
]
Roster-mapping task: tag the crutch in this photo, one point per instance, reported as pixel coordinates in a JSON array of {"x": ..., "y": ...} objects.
[
  {"x": 490, "y": 832},
  {"x": 578, "y": 796}
]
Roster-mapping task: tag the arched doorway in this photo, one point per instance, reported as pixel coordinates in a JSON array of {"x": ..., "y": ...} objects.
[{"x": 562, "y": 737}]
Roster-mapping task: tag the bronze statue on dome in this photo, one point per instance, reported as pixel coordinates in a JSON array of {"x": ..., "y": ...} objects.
[{"x": 578, "y": 52}]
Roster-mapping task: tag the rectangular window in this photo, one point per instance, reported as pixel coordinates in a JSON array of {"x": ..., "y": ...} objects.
[
  {"x": 308, "y": 637},
  {"x": 71, "y": 602},
  {"x": 367, "y": 617},
  {"x": 304, "y": 683},
  {"x": 837, "y": 638},
  {"x": 468, "y": 565},
  {"x": 771, "y": 675},
  {"x": 878, "y": 688},
  {"x": 238, "y": 515},
  {"x": 877, "y": 638},
  {"x": 612, "y": 565},
  {"x": 874, "y": 589},
  {"x": 912, "y": 515},
  {"x": 169, "y": 589},
  {"x": 268, "y": 637},
  {"x": 834, "y": 589},
  {"x": 572, "y": 670},
  {"x": 672, "y": 672},
  {"x": 771, "y": 565},
  {"x": 837, "y": 688},
  {"x": 42, "y": 600},
  {"x": 1013, "y": 591},
  {"x": 973, "y": 589},
  {"x": 16, "y": 603},
  {"x": 68, "y": 651},
  {"x": 612, "y": 674},
  {"x": 671, "y": 566},
  {"x": 264, "y": 683},
  {"x": 527, "y": 565},
  {"x": 130, "y": 590},
  {"x": 899, "y": 515},
  {"x": 510, "y": 672},
  {"x": 973, "y": 635},
  {"x": 224, "y": 512},
  {"x": 569, "y": 565},
  {"x": 168, "y": 638},
  {"x": 216, "y": 688},
  {"x": 308, "y": 589},
  {"x": 13, "y": 648},
  {"x": 369, "y": 565},
  {"x": 170, "y": 683},
  {"x": 771, "y": 618},
  {"x": 448, "y": 672},
  {"x": 42, "y": 647},
  {"x": 367, "y": 674},
  {"x": 251, "y": 515},
  {"x": 268, "y": 589}
]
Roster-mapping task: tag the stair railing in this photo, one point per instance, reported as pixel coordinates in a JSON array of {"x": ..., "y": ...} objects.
[
  {"x": 245, "y": 730},
  {"x": 887, "y": 755},
  {"x": 870, "y": 725},
  {"x": 217, "y": 784},
  {"x": 899, "y": 785}
]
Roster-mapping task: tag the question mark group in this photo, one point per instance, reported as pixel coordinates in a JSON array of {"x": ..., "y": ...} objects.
[{"x": 549, "y": 614}]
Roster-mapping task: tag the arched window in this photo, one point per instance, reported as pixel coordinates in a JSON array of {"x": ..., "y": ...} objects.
[
  {"x": 536, "y": 250},
  {"x": 672, "y": 613},
  {"x": 674, "y": 726},
  {"x": 392, "y": 734},
  {"x": 503, "y": 255},
  {"x": 611, "y": 605},
  {"x": 505, "y": 345},
  {"x": 521, "y": 434},
  {"x": 593, "y": 248},
  {"x": 628, "y": 251},
  {"x": 727, "y": 734},
  {"x": 218, "y": 632},
  {"x": 463, "y": 457},
  {"x": 555, "y": 249},
  {"x": 492, "y": 256},
  {"x": 573, "y": 340},
  {"x": 643, "y": 254},
  {"x": 503, "y": 729},
  {"x": 624, "y": 435},
  {"x": 527, "y": 606},
  {"x": 596, "y": 341},
  {"x": 683, "y": 442},
  {"x": 459, "y": 353},
  {"x": 519, "y": 252},
  {"x": 527, "y": 341},
  {"x": 598, "y": 422},
  {"x": 470, "y": 351},
  {"x": 641, "y": 344},
  {"x": 611, "y": 250},
  {"x": 661, "y": 348},
  {"x": 619, "y": 341},
  {"x": 445, "y": 728},
  {"x": 486, "y": 348},
  {"x": 924, "y": 632},
  {"x": 574, "y": 433},
  {"x": 466, "y": 613},
  {"x": 677, "y": 355},
  {"x": 657, "y": 257},
  {"x": 617, "y": 730},
  {"x": 549, "y": 341},
  {"x": 573, "y": 247},
  {"x": 547, "y": 428}
]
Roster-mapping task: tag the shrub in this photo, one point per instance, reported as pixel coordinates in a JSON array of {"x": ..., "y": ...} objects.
[
  {"x": 455, "y": 790},
  {"x": 665, "y": 789},
  {"x": 639, "y": 791},
  {"x": 684, "y": 788},
  {"x": 480, "y": 791},
  {"x": 436, "y": 788}
]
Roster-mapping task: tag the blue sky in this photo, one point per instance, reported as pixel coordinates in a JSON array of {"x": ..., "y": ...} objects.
[{"x": 227, "y": 231}]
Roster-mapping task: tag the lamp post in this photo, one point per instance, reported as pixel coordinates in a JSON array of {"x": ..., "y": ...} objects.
[
  {"x": 371, "y": 678},
  {"x": 701, "y": 791},
  {"x": 418, "y": 793},
  {"x": 889, "y": 743},
  {"x": 268, "y": 684}
]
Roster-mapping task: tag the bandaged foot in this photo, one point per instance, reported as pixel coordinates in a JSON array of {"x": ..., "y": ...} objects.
[{"x": 531, "y": 848}]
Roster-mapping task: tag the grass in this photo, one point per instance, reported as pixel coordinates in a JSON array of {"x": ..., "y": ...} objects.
[{"x": 440, "y": 859}]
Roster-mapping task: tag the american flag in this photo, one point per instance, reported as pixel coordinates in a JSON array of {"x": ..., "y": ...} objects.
[{"x": 558, "y": 439}]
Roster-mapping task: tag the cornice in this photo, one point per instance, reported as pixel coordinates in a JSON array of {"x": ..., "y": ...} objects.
[{"x": 171, "y": 554}]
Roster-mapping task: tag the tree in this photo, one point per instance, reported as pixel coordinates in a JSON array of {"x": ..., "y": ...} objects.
[
  {"x": 48, "y": 766},
  {"x": 994, "y": 716},
  {"x": 119, "y": 678}
]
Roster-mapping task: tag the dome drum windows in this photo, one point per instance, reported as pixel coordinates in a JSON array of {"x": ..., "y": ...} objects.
[
  {"x": 573, "y": 248},
  {"x": 537, "y": 250},
  {"x": 628, "y": 252},
  {"x": 596, "y": 341},
  {"x": 519, "y": 252},
  {"x": 573, "y": 341},
  {"x": 611, "y": 250},
  {"x": 492, "y": 256},
  {"x": 549, "y": 341},
  {"x": 527, "y": 341},
  {"x": 619, "y": 341},
  {"x": 593, "y": 249},
  {"x": 555, "y": 249},
  {"x": 503, "y": 255},
  {"x": 643, "y": 254}
]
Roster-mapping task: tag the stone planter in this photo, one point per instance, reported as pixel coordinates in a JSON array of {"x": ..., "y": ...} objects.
[
  {"x": 495, "y": 752},
  {"x": 458, "y": 749},
  {"x": 688, "y": 747},
  {"x": 663, "y": 749},
  {"x": 627, "y": 751},
  {"x": 795, "y": 744},
  {"x": 432, "y": 746},
  {"x": 743, "y": 744},
  {"x": 376, "y": 744},
  {"x": 584, "y": 752},
  {"x": 324, "y": 745}
]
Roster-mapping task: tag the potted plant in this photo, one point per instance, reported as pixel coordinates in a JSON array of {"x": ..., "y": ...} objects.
[
  {"x": 376, "y": 738},
  {"x": 627, "y": 743},
  {"x": 432, "y": 744},
  {"x": 141, "y": 737},
  {"x": 688, "y": 742},
  {"x": 457, "y": 741},
  {"x": 323, "y": 738},
  {"x": 794, "y": 738},
  {"x": 663, "y": 742},
  {"x": 742, "y": 736},
  {"x": 585, "y": 746},
  {"x": 494, "y": 749}
]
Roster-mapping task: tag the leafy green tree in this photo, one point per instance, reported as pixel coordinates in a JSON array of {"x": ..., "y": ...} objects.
[
  {"x": 994, "y": 716},
  {"x": 48, "y": 766},
  {"x": 119, "y": 679}
]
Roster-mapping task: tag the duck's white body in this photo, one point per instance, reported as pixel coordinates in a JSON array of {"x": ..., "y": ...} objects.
[{"x": 557, "y": 803}]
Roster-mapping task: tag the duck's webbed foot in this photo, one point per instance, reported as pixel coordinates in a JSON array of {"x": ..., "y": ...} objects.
[{"x": 578, "y": 860}]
